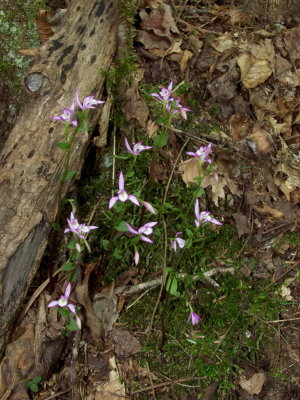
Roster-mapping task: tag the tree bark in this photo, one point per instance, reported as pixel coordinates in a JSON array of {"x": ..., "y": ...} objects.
[{"x": 31, "y": 163}]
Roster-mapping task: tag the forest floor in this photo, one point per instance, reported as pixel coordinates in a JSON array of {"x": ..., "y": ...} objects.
[{"x": 240, "y": 78}]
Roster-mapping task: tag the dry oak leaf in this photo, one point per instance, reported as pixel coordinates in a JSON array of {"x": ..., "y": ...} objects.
[
  {"x": 263, "y": 51},
  {"x": 223, "y": 43},
  {"x": 292, "y": 43},
  {"x": 291, "y": 181},
  {"x": 253, "y": 385},
  {"x": 261, "y": 143},
  {"x": 160, "y": 21},
  {"x": 43, "y": 26},
  {"x": 239, "y": 126},
  {"x": 186, "y": 56},
  {"x": 254, "y": 71},
  {"x": 268, "y": 210}
]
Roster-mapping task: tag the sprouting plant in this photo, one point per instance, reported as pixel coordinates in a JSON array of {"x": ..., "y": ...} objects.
[{"x": 33, "y": 384}]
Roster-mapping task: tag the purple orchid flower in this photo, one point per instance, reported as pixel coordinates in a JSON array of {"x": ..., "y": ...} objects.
[
  {"x": 202, "y": 153},
  {"x": 164, "y": 96},
  {"x": 204, "y": 216},
  {"x": 149, "y": 207},
  {"x": 179, "y": 108},
  {"x": 122, "y": 194},
  {"x": 88, "y": 102},
  {"x": 63, "y": 300},
  {"x": 81, "y": 230},
  {"x": 67, "y": 115},
  {"x": 178, "y": 242},
  {"x": 146, "y": 229},
  {"x": 137, "y": 148},
  {"x": 136, "y": 257},
  {"x": 194, "y": 318}
]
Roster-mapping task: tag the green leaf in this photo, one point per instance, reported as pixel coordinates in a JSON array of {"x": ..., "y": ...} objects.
[
  {"x": 188, "y": 243},
  {"x": 118, "y": 254},
  {"x": 199, "y": 192},
  {"x": 68, "y": 266},
  {"x": 72, "y": 245},
  {"x": 121, "y": 227},
  {"x": 37, "y": 379},
  {"x": 33, "y": 387},
  {"x": 63, "y": 312},
  {"x": 189, "y": 232},
  {"x": 161, "y": 140},
  {"x": 129, "y": 174},
  {"x": 72, "y": 326},
  {"x": 64, "y": 146},
  {"x": 105, "y": 244},
  {"x": 66, "y": 176},
  {"x": 172, "y": 285}
]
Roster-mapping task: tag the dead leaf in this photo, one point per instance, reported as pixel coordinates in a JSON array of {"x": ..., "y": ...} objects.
[
  {"x": 223, "y": 43},
  {"x": 239, "y": 126},
  {"x": 135, "y": 106},
  {"x": 290, "y": 181},
  {"x": 281, "y": 65},
  {"x": 253, "y": 385},
  {"x": 285, "y": 292},
  {"x": 292, "y": 43},
  {"x": 43, "y": 26},
  {"x": 290, "y": 78},
  {"x": 268, "y": 210},
  {"x": 151, "y": 128},
  {"x": 186, "y": 56},
  {"x": 260, "y": 142},
  {"x": 125, "y": 343},
  {"x": 242, "y": 224},
  {"x": 105, "y": 306},
  {"x": 113, "y": 389},
  {"x": 160, "y": 21},
  {"x": 254, "y": 71},
  {"x": 92, "y": 320},
  {"x": 29, "y": 52}
]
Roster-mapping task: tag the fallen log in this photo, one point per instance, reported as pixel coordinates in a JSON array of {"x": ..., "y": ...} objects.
[{"x": 31, "y": 163}]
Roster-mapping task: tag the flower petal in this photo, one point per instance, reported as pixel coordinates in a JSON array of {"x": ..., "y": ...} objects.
[
  {"x": 133, "y": 199},
  {"x": 121, "y": 181},
  {"x": 146, "y": 239},
  {"x": 71, "y": 308},
  {"x": 128, "y": 147},
  {"x": 53, "y": 303},
  {"x": 68, "y": 290},
  {"x": 197, "y": 211},
  {"x": 112, "y": 201}
]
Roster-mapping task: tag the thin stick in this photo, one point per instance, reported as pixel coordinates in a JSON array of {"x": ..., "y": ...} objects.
[
  {"x": 114, "y": 161},
  {"x": 284, "y": 320},
  {"x": 151, "y": 380},
  {"x": 159, "y": 385}
]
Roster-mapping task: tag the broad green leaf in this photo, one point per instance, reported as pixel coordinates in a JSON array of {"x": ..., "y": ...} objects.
[
  {"x": 121, "y": 227},
  {"x": 105, "y": 244},
  {"x": 64, "y": 146},
  {"x": 66, "y": 176},
  {"x": 68, "y": 266},
  {"x": 72, "y": 326},
  {"x": 161, "y": 140}
]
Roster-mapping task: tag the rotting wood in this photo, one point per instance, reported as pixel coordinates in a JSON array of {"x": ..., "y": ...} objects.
[{"x": 30, "y": 163}]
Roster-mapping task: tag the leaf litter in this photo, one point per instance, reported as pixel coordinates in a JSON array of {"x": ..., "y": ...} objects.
[{"x": 253, "y": 77}]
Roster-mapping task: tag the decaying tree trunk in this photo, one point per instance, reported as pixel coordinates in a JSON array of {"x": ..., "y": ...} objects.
[{"x": 31, "y": 163}]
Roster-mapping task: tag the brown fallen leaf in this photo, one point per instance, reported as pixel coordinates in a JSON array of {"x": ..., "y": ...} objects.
[
  {"x": 223, "y": 43},
  {"x": 291, "y": 180},
  {"x": 43, "y": 26},
  {"x": 239, "y": 126},
  {"x": 260, "y": 142},
  {"x": 268, "y": 210},
  {"x": 253, "y": 385},
  {"x": 105, "y": 306},
  {"x": 186, "y": 56},
  {"x": 254, "y": 71},
  {"x": 92, "y": 320},
  {"x": 238, "y": 17},
  {"x": 242, "y": 223},
  {"x": 113, "y": 389},
  {"x": 125, "y": 343}
]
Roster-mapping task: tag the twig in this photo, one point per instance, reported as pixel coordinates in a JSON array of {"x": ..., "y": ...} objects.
[
  {"x": 139, "y": 298},
  {"x": 159, "y": 385},
  {"x": 59, "y": 393},
  {"x": 283, "y": 320},
  {"x": 114, "y": 161},
  {"x": 133, "y": 290},
  {"x": 151, "y": 380}
]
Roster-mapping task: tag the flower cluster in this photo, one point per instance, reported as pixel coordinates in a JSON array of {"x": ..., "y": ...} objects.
[
  {"x": 202, "y": 154},
  {"x": 80, "y": 230},
  {"x": 170, "y": 103},
  {"x": 68, "y": 113}
]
